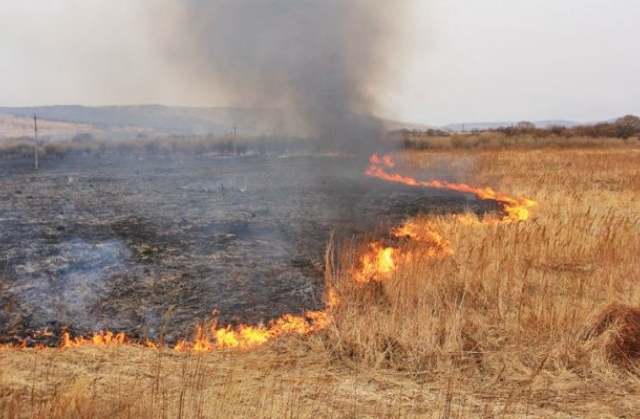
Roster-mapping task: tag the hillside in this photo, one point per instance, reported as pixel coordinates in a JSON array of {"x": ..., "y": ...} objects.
[
  {"x": 111, "y": 121},
  {"x": 22, "y": 126},
  {"x": 65, "y": 121}
]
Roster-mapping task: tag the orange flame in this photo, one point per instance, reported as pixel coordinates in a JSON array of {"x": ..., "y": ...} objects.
[
  {"x": 380, "y": 262},
  {"x": 99, "y": 339},
  {"x": 512, "y": 209},
  {"x": 436, "y": 244},
  {"x": 249, "y": 337},
  {"x": 376, "y": 264},
  {"x": 332, "y": 298}
]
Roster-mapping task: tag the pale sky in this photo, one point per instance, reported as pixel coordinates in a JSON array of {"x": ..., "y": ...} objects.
[{"x": 460, "y": 60}]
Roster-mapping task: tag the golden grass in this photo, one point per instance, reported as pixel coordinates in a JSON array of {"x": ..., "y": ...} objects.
[
  {"x": 532, "y": 319},
  {"x": 515, "y": 305},
  {"x": 491, "y": 140}
]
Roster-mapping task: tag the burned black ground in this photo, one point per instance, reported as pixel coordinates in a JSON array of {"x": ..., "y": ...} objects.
[{"x": 151, "y": 245}]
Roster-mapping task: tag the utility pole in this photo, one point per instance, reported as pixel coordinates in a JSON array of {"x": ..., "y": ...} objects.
[
  {"x": 35, "y": 140},
  {"x": 235, "y": 140}
]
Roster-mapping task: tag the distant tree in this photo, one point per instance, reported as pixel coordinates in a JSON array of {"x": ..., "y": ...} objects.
[
  {"x": 629, "y": 120},
  {"x": 526, "y": 126},
  {"x": 627, "y": 126},
  {"x": 557, "y": 130}
]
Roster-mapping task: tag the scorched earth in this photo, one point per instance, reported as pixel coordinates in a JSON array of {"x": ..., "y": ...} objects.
[{"x": 152, "y": 245}]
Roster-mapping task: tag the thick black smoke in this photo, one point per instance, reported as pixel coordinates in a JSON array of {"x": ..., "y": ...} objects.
[{"x": 320, "y": 61}]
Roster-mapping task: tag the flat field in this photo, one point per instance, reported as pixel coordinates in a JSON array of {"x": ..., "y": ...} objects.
[
  {"x": 539, "y": 318},
  {"x": 150, "y": 245}
]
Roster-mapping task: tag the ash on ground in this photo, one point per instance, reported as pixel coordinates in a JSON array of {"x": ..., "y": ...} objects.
[{"x": 151, "y": 245}]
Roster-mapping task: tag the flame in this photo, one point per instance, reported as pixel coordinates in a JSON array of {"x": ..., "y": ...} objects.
[
  {"x": 208, "y": 340},
  {"x": 380, "y": 262},
  {"x": 98, "y": 339},
  {"x": 436, "y": 244},
  {"x": 332, "y": 298},
  {"x": 511, "y": 209},
  {"x": 376, "y": 264},
  {"x": 408, "y": 229},
  {"x": 249, "y": 337}
]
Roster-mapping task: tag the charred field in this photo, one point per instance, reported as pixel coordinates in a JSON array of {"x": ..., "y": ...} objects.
[{"x": 151, "y": 245}]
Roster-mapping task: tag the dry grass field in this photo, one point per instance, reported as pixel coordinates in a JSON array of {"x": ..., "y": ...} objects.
[
  {"x": 530, "y": 319},
  {"x": 22, "y": 126}
]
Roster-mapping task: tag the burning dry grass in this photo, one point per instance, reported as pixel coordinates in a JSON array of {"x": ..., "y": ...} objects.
[
  {"x": 548, "y": 306},
  {"x": 538, "y": 318}
]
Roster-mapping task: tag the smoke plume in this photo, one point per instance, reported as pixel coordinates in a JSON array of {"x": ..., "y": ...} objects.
[{"x": 320, "y": 61}]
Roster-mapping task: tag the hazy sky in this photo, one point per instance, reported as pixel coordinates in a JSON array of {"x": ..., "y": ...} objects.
[{"x": 459, "y": 60}]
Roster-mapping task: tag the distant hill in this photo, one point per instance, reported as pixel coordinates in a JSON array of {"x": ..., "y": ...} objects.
[
  {"x": 22, "y": 126},
  {"x": 150, "y": 120}
]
